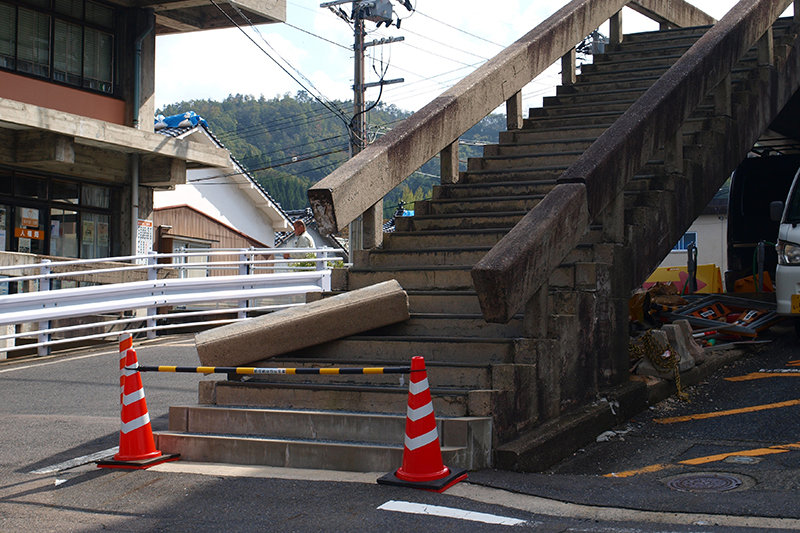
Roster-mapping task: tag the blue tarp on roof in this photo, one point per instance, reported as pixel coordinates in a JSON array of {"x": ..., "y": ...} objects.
[{"x": 184, "y": 120}]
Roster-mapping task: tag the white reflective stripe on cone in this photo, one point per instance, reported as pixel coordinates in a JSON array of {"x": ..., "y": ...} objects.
[
  {"x": 422, "y": 440},
  {"x": 136, "y": 423},
  {"x": 421, "y": 412},
  {"x": 420, "y": 386},
  {"x": 135, "y": 396}
]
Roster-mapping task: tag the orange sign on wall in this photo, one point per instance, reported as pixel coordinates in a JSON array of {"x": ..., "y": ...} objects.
[{"x": 29, "y": 233}]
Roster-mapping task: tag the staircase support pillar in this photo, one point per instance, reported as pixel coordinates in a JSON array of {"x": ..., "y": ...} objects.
[
  {"x": 613, "y": 220},
  {"x": 673, "y": 153},
  {"x": 722, "y": 98},
  {"x": 615, "y": 28},
  {"x": 569, "y": 68},
  {"x": 766, "y": 49},
  {"x": 373, "y": 226},
  {"x": 448, "y": 163},
  {"x": 514, "y": 113},
  {"x": 537, "y": 311}
]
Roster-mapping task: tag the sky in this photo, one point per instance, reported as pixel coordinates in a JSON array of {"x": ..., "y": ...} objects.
[{"x": 443, "y": 42}]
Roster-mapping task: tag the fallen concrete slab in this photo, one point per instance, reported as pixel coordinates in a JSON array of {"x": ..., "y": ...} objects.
[{"x": 296, "y": 328}]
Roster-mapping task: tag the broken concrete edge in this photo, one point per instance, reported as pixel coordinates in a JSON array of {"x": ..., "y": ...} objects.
[
  {"x": 300, "y": 327},
  {"x": 558, "y": 439}
]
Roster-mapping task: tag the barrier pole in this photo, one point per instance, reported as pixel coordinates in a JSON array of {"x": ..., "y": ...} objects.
[{"x": 287, "y": 371}]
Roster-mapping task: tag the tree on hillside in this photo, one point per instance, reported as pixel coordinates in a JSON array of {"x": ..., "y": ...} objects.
[{"x": 291, "y": 142}]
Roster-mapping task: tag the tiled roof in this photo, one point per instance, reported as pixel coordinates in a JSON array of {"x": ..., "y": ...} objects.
[{"x": 182, "y": 124}]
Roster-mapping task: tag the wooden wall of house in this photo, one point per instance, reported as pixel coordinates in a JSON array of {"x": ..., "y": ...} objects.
[{"x": 188, "y": 222}]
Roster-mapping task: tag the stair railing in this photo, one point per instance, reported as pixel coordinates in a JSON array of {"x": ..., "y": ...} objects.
[
  {"x": 358, "y": 185},
  {"x": 513, "y": 271}
]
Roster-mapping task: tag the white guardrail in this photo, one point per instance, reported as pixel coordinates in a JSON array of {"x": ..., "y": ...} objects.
[{"x": 200, "y": 284}]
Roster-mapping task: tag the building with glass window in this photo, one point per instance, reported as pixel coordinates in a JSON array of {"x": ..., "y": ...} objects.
[{"x": 79, "y": 160}]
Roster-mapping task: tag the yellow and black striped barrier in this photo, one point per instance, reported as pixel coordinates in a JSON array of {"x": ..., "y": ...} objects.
[{"x": 262, "y": 370}]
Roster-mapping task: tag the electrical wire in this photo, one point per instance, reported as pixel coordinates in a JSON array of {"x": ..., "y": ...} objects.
[
  {"x": 337, "y": 112},
  {"x": 459, "y": 29}
]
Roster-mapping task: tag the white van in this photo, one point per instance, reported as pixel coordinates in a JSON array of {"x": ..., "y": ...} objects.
[{"x": 787, "y": 275}]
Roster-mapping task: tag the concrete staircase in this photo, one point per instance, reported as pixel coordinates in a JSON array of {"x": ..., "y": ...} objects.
[{"x": 493, "y": 385}]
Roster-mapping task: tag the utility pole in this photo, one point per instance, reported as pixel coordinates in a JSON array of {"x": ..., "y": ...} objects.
[{"x": 379, "y": 11}]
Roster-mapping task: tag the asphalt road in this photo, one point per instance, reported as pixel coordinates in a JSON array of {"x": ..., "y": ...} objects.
[{"x": 60, "y": 408}]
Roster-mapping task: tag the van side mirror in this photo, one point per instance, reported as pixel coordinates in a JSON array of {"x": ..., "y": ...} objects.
[{"x": 776, "y": 211}]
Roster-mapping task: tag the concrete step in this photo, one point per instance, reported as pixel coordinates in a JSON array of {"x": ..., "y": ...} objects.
[
  {"x": 427, "y": 257},
  {"x": 507, "y": 219},
  {"x": 355, "y": 442},
  {"x": 448, "y": 325},
  {"x": 471, "y": 376},
  {"x": 658, "y": 36},
  {"x": 443, "y": 239},
  {"x": 554, "y": 135},
  {"x": 492, "y": 189},
  {"x": 372, "y": 399},
  {"x": 635, "y": 40},
  {"x": 443, "y": 302},
  {"x": 581, "y": 119},
  {"x": 414, "y": 277},
  {"x": 573, "y": 108},
  {"x": 629, "y": 52},
  {"x": 546, "y": 174},
  {"x": 549, "y": 145},
  {"x": 449, "y": 350},
  {"x": 546, "y": 159},
  {"x": 632, "y": 62},
  {"x": 566, "y": 97},
  {"x": 488, "y": 204}
]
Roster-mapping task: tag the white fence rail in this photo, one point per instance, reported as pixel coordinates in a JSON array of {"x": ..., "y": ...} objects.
[{"x": 214, "y": 282}]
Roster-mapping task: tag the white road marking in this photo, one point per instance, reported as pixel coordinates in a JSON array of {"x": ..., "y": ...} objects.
[
  {"x": 448, "y": 512},
  {"x": 78, "y": 461}
]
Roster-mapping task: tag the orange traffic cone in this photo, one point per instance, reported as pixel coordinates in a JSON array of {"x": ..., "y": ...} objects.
[
  {"x": 422, "y": 455},
  {"x": 137, "y": 448},
  {"x": 125, "y": 344}
]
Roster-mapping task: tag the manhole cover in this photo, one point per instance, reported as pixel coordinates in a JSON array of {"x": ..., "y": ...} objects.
[{"x": 704, "y": 483}]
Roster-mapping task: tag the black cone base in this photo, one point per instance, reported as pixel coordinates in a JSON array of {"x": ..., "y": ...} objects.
[
  {"x": 139, "y": 465},
  {"x": 436, "y": 485}
]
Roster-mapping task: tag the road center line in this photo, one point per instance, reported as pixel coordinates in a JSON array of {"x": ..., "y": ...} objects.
[
  {"x": 729, "y": 412},
  {"x": 448, "y": 512}
]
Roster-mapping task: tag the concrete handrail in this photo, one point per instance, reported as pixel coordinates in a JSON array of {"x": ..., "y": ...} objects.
[
  {"x": 364, "y": 180},
  {"x": 511, "y": 273}
]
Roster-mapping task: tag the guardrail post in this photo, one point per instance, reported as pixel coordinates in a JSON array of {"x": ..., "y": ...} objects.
[
  {"x": 244, "y": 270},
  {"x": 322, "y": 265},
  {"x": 448, "y": 163},
  {"x": 766, "y": 49},
  {"x": 569, "y": 68},
  {"x": 44, "y": 285},
  {"x": 514, "y": 116},
  {"x": 152, "y": 275},
  {"x": 615, "y": 28}
]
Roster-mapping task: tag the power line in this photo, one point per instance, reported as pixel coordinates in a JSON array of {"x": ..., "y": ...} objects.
[
  {"x": 339, "y": 113},
  {"x": 459, "y": 29}
]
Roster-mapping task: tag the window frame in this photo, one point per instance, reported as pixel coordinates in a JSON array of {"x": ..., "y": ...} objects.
[{"x": 62, "y": 76}]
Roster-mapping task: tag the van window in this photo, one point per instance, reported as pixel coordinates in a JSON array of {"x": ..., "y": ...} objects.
[{"x": 793, "y": 211}]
